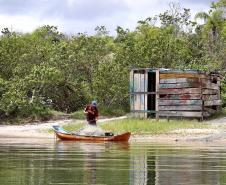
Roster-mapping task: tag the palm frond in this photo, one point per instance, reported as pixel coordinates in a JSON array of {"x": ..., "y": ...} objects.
[{"x": 202, "y": 15}]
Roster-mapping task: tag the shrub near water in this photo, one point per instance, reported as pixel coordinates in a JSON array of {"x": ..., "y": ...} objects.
[
  {"x": 78, "y": 115},
  {"x": 113, "y": 111},
  {"x": 104, "y": 112}
]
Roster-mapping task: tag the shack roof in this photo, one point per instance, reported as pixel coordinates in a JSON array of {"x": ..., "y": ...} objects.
[{"x": 175, "y": 71}]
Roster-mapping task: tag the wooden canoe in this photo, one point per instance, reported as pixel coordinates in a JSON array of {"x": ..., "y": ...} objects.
[{"x": 68, "y": 136}]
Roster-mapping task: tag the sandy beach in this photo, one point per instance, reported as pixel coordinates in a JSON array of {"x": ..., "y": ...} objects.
[{"x": 217, "y": 132}]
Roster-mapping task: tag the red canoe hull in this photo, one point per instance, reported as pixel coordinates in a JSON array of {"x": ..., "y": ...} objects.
[{"x": 72, "y": 137}]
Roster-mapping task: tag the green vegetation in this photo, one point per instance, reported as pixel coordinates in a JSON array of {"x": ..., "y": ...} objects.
[
  {"x": 105, "y": 112},
  {"x": 137, "y": 126},
  {"x": 150, "y": 126},
  {"x": 109, "y": 111},
  {"x": 77, "y": 115},
  {"x": 219, "y": 114},
  {"x": 72, "y": 127},
  {"x": 46, "y": 70}
]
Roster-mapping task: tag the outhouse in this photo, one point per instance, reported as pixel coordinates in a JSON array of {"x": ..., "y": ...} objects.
[{"x": 174, "y": 93}]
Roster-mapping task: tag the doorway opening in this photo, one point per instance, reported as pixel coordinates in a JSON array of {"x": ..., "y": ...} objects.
[{"x": 151, "y": 97}]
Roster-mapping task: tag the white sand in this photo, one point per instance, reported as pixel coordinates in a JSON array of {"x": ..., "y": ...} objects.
[{"x": 36, "y": 130}]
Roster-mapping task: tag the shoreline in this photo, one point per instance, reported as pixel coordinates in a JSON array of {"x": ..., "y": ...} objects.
[{"x": 37, "y": 131}]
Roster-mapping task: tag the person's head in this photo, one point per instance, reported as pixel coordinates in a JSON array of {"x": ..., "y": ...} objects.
[{"x": 94, "y": 103}]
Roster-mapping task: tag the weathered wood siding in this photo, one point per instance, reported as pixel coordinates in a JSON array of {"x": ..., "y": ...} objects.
[
  {"x": 179, "y": 93},
  {"x": 211, "y": 95},
  {"x": 188, "y": 94},
  {"x": 138, "y": 93}
]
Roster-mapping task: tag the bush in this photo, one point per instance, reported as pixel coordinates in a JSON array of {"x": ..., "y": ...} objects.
[
  {"x": 223, "y": 93},
  {"x": 113, "y": 111},
  {"x": 78, "y": 115}
]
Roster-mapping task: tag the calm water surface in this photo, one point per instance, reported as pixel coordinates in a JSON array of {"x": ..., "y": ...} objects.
[{"x": 43, "y": 162}]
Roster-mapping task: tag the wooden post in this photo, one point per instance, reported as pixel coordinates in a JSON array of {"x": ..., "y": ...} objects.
[
  {"x": 219, "y": 93},
  {"x": 131, "y": 84},
  {"x": 201, "y": 85},
  {"x": 157, "y": 95},
  {"x": 167, "y": 118},
  {"x": 140, "y": 95}
]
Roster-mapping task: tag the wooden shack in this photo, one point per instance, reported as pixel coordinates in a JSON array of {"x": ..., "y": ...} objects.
[{"x": 174, "y": 93}]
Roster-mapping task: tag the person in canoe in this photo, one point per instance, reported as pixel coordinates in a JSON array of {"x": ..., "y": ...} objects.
[{"x": 91, "y": 112}]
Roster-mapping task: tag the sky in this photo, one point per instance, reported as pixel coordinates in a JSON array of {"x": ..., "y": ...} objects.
[{"x": 74, "y": 16}]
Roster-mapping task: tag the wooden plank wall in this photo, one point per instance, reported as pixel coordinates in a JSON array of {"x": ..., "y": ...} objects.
[
  {"x": 211, "y": 95},
  {"x": 138, "y": 93},
  {"x": 137, "y": 97},
  {"x": 188, "y": 94},
  {"x": 131, "y": 86}
]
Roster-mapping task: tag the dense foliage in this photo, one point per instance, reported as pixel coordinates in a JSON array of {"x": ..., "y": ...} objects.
[{"x": 46, "y": 69}]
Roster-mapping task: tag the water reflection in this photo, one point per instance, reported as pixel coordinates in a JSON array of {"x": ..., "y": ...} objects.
[
  {"x": 97, "y": 160},
  {"x": 174, "y": 166},
  {"x": 188, "y": 167},
  {"x": 47, "y": 162}
]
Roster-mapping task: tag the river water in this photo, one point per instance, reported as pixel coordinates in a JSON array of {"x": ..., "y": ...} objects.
[{"x": 44, "y": 162}]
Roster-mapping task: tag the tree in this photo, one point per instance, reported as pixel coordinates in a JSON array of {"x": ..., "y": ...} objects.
[
  {"x": 213, "y": 21},
  {"x": 212, "y": 32}
]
